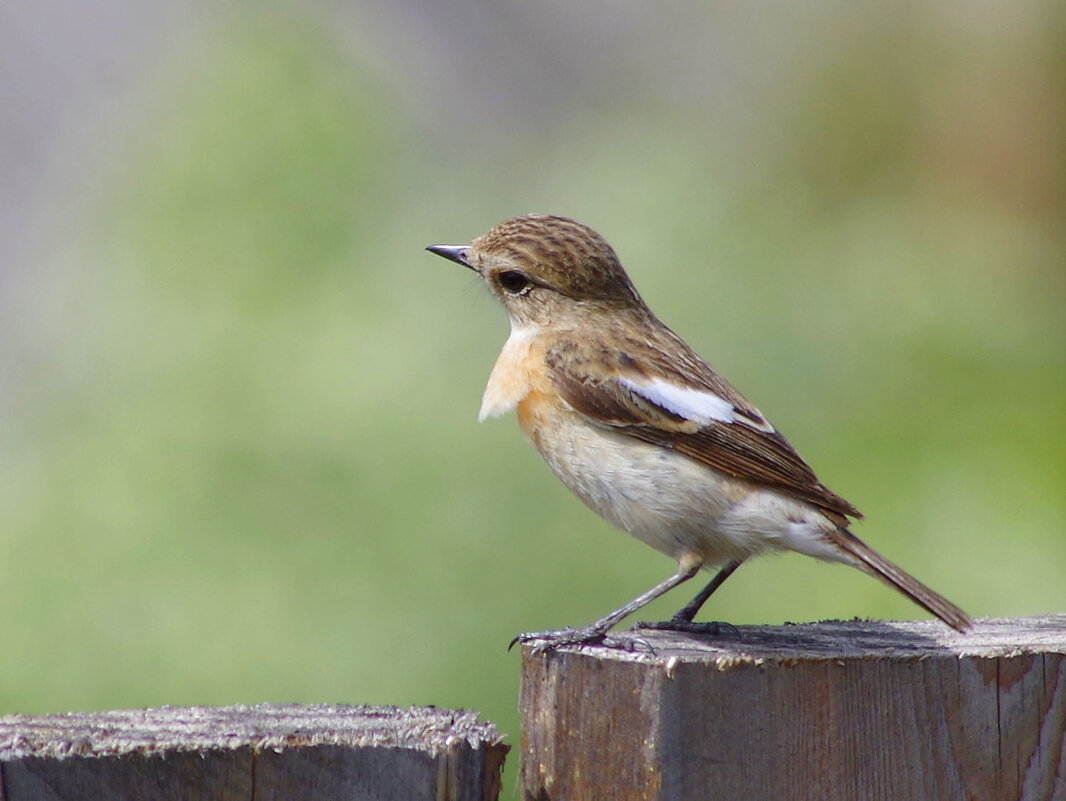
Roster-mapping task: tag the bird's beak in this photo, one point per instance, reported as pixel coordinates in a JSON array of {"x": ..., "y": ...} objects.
[{"x": 456, "y": 253}]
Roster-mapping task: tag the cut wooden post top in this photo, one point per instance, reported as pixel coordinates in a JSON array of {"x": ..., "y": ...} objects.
[
  {"x": 841, "y": 640},
  {"x": 262, "y": 727},
  {"x": 849, "y": 710}
]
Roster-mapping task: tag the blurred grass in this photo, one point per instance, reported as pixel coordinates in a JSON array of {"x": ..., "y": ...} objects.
[{"x": 246, "y": 467}]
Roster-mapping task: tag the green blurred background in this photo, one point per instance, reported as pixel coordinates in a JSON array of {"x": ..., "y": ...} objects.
[{"x": 240, "y": 461}]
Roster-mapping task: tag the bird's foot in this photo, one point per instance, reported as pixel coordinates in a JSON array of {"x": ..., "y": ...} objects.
[
  {"x": 545, "y": 641},
  {"x": 713, "y": 627}
]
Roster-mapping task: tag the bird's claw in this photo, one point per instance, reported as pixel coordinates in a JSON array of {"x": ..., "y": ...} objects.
[
  {"x": 546, "y": 641},
  {"x": 713, "y": 627}
]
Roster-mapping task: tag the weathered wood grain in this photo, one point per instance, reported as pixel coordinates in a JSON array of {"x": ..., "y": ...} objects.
[
  {"x": 834, "y": 710},
  {"x": 258, "y": 753}
]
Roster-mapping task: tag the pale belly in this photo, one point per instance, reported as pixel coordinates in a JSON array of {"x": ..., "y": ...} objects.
[{"x": 664, "y": 499}]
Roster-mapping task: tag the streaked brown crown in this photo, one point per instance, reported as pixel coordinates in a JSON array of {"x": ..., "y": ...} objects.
[{"x": 561, "y": 254}]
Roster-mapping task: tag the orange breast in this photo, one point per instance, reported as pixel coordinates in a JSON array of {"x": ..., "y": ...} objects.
[
  {"x": 519, "y": 370},
  {"x": 533, "y": 412}
]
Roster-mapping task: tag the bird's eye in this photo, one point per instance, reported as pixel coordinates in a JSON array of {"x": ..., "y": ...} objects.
[{"x": 514, "y": 283}]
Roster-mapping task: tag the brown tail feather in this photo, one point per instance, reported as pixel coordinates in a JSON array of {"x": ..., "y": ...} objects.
[{"x": 876, "y": 565}]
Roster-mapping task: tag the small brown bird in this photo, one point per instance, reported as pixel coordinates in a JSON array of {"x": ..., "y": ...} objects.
[{"x": 644, "y": 431}]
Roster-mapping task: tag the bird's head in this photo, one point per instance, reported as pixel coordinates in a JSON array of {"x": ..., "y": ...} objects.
[{"x": 547, "y": 269}]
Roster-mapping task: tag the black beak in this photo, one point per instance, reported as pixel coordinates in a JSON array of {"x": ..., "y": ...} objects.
[{"x": 456, "y": 253}]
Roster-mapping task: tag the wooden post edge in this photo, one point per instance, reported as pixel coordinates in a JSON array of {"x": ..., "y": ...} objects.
[{"x": 262, "y": 752}]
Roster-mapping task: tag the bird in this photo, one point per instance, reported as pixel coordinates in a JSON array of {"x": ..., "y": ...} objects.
[{"x": 645, "y": 432}]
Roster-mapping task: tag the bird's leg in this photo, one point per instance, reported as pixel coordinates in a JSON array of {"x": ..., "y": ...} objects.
[
  {"x": 682, "y": 621},
  {"x": 596, "y": 633}
]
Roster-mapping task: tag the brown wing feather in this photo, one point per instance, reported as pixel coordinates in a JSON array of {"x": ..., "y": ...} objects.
[
  {"x": 761, "y": 458},
  {"x": 586, "y": 376}
]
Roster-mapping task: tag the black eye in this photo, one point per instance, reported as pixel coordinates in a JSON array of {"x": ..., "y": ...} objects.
[{"x": 514, "y": 283}]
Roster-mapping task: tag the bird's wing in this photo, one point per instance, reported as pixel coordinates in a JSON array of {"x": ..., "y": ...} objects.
[{"x": 642, "y": 393}]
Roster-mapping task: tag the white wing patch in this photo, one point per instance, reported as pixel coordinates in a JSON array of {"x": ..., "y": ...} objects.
[{"x": 698, "y": 405}]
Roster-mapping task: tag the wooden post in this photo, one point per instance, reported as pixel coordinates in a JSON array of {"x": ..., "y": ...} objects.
[
  {"x": 282, "y": 753},
  {"x": 837, "y": 710}
]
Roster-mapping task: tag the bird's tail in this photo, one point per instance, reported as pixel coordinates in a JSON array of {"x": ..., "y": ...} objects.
[{"x": 876, "y": 565}]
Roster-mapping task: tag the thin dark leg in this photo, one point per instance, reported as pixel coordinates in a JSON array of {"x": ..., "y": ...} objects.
[
  {"x": 687, "y": 613},
  {"x": 682, "y": 621},
  {"x": 597, "y": 632}
]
